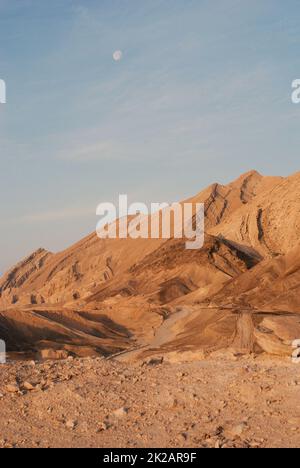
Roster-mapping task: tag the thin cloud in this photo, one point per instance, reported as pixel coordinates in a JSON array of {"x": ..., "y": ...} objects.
[
  {"x": 56, "y": 215},
  {"x": 95, "y": 152}
]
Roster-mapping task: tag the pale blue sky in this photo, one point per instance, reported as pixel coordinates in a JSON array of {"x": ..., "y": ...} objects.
[{"x": 202, "y": 94}]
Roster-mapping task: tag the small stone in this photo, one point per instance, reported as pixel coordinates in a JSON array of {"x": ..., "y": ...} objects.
[
  {"x": 28, "y": 386},
  {"x": 70, "y": 424},
  {"x": 103, "y": 426},
  {"x": 255, "y": 444},
  {"x": 12, "y": 388},
  {"x": 154, "y": 361},
  {"x": 217, "y": 444},
  {"x": 238, "y": 429},
  {"x": 121, "y": 412}
]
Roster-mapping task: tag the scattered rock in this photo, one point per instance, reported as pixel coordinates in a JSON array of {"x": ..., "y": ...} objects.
[
  {"x": 12, "y": 388},
  {"x": 154, "y": 405},
  {"x": 238, "y": 430},
  {"x": 28, "y": 386},
  {"x": 120, "y": 412},
  {"x": 70, "y": 424},
  {"x": 155, "y": 361},
  {"x": 104, "y": 426}
]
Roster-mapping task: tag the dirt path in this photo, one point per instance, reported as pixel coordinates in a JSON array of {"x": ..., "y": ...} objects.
[{"x": 163, "y": 334}]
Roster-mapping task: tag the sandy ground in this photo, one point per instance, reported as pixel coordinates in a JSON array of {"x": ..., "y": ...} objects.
[{"x": 230, "y": 402}]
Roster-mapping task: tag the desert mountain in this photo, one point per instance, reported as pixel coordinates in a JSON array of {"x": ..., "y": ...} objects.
[
  {"x": 270, "y": 221},
  {"x": 75, "y": 272},
  {"x": 106, "y": 296}
]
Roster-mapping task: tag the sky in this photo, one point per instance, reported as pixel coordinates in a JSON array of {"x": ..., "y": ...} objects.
[{"x": 202, "y": 93}]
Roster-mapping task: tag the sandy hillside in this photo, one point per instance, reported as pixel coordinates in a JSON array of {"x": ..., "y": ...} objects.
[{"x": 102, "y": 297}]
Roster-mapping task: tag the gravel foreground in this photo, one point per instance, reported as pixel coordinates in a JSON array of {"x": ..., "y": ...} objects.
[{"x": 216, "y": 403}]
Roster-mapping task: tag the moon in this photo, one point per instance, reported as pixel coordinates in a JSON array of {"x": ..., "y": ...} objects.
[{"x": 117, "y": 55}]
